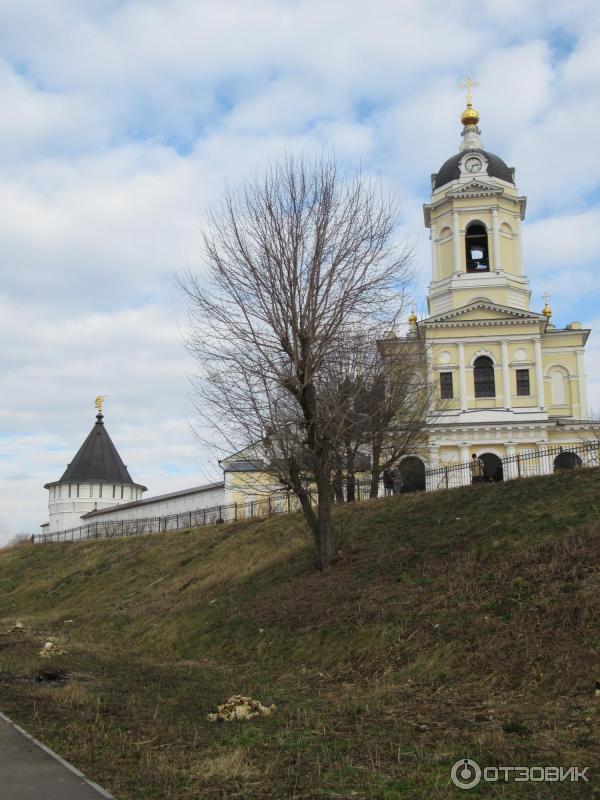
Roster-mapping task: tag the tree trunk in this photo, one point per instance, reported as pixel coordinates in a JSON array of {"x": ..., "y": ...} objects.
[{"x": 326, "y": 532}]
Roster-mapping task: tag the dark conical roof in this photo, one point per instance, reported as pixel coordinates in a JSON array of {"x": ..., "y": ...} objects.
[{"x": 97, "y": 460}]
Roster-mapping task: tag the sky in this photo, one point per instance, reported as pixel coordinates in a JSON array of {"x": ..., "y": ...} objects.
[{"x": 123, "y": 121}]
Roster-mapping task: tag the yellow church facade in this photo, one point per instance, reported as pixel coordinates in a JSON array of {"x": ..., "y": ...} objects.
[{"x": 505, "y": 379}]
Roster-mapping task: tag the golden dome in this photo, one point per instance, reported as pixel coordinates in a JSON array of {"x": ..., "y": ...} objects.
[
  {"x": 412, "y": 319},
  {"x": 469, "y": 115},
  {"x": 547, "y": 311}
]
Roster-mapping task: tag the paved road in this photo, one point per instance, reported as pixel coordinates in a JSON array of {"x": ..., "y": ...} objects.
[{"x": 31, "y": 771}]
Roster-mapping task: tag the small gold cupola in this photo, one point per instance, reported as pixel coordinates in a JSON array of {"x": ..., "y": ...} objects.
[
  {"x": 546, "y": 311},
  {"x": 469, "y": 118}
]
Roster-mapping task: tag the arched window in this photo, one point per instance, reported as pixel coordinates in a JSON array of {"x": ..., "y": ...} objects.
[
  {"x": 483, "y": 376},
  {"x": 557, "y": 383},
  {"x": 476, "y": 243}
]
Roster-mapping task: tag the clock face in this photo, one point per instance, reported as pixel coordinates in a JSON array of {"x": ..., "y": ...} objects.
[{"x": 473, "y": 165}]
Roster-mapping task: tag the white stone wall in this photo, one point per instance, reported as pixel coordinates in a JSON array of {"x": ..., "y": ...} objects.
[{"x": 163, "y": 506}]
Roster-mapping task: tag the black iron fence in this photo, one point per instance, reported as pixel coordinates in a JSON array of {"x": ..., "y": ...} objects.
[{"x": 542, "y": 461}]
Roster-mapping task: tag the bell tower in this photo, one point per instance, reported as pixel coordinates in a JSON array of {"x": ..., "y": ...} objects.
[{"x": 474, "y": 218}]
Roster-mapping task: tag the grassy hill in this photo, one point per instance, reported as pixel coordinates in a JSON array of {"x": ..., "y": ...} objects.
[{"x": 453, "y": 624}]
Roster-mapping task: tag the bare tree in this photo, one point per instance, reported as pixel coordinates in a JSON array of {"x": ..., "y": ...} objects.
[
  {"x": 380, "y": 388},
  {"x": 297, "y": 262}
]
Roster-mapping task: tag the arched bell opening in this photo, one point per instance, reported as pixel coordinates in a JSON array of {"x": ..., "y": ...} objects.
[{"x": 477, "y": 250}]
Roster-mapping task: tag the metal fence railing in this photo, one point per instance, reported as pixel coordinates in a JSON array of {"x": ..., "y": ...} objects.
[{"x": 542, "y": 461}]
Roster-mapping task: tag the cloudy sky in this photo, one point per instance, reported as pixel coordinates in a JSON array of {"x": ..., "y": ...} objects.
[{"x": 122, "y": 121}]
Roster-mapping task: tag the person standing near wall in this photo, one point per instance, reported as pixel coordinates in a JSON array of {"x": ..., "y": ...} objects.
[
  {"x": 477, "y": 468},
  {"x": 388, "y": 481}
]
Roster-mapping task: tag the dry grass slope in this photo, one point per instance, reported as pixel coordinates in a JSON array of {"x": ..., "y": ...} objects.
[{"x": 455, "y": 624}]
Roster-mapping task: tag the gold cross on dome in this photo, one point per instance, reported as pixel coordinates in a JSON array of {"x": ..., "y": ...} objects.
[
  {"x": 99, "y": 401},
  {"x": 546, "y": 297},
  {"x": 468, "y": 84}
]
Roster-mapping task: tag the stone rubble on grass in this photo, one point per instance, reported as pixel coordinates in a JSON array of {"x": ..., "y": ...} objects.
[
  {"x": 51, "y": 648},
  {"x": 240, "y": 708},
  {"x": 18, "y": 626}
]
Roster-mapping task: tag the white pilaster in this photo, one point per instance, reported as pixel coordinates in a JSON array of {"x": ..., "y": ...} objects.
[
  {"x": 511, "y": 469},
  {"x": 465, "y": 457},
  {"x": 583, "y": 401},
  {"x": 462, "y": 377},
  {"x": 434, "y": 260},
  {"x": 539, "y": 373},
  {"x": 456, "y": 240},
  {"x": 505, "y": 374},
  {"x": 496, "y": 238},
  {"x": 430, "y": 379},
  {"x": 519, "y": 270}
]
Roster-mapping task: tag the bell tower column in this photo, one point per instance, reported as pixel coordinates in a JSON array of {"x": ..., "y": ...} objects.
[
  {"x": 495, "y": 238},
  {"x": 434, "y": 259},
  {"x": 456, "y": 241}
]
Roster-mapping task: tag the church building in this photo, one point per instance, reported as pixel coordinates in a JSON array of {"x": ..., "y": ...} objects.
[{"x": 506, "y": 379}]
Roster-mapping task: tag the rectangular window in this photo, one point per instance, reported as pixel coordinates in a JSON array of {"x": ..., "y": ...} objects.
[
  {"x": 114, "y": 491},
  {"x": 69, "y": 490},
  {"x": 77, "y": 490},
  {"x": 523, "y": 389},
  {"x": 446, "y": 391},
  {"x": 121, "y": 492},
  {"x": 100, "y": 495}
]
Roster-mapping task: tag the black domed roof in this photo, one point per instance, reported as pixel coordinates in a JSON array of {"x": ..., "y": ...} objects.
[{"x": 496, "y": 168}]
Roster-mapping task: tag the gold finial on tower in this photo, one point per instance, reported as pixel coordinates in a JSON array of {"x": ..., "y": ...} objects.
[
  {"x": 99, "y": 402},
  {"x": 412, "y": 319},
  {"x": 546, "y": 311},
  {"x": 469, "y": 116}
]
